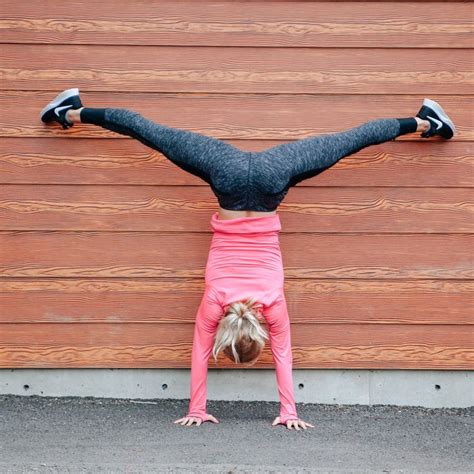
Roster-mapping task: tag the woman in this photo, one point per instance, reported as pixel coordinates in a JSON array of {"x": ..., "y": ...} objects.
[{"x": 244, "y": 272}]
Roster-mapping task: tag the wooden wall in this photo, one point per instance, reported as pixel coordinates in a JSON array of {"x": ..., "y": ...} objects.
[{"x": 104, "y": 242}]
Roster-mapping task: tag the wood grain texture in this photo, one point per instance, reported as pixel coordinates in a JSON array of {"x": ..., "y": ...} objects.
[
  {"x": 227, "y": 70},
  {"x": 169, "y": 345},
  {"x": 104, "y": 241},
  {"x": 61, "y": 160},
  {"x": 184, "y": 255},
  {"x": 310, "y": 301},
  {"x": 235, "y": 116},
  {"x": 175, "y": 208},
  {"x": 260, "y": 23}
]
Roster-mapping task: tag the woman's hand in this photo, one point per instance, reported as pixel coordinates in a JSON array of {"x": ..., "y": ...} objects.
[
  {"x": 290, "y": 423},
  {"x": 189, "y": 420}
]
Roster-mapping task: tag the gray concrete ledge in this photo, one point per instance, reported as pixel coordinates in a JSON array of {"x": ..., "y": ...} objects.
[{"x": 424, "y": 388}]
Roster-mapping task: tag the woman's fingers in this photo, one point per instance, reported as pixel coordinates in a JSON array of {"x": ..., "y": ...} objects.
[
  {"x": 183, "y": 420},
  {"x": 189, "y": 420},
  {"x": 290, "y": 424}
]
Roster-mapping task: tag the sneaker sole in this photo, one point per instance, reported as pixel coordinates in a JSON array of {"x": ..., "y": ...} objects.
[
  {"x": 57, "y": 100},
  {"x": 441, "y": 113}
]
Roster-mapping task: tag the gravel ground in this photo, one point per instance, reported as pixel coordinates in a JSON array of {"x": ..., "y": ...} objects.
[{"x": 70, "y": 434}]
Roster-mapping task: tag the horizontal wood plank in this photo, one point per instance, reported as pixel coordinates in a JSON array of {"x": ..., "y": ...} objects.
[
  {"x": 305, "y": 255},
  {"x": 235, "y": 116},
  {"x": 176, "y": 208},
  {"x": 162, "y": 345},
  {"x": 378, "y": 250},
  {"x": 227, "y": 70},
  {"x": 274, "y": 24},
  {"x": 319, "y": 301},
  {"x": 60, "y": 160}
]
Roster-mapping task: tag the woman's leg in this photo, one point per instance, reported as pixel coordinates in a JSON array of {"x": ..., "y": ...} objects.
[
  {"x": 195, "y": 153},
  {"x": 310, "y": 156}
]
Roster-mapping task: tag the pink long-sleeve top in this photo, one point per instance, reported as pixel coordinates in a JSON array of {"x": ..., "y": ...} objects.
[{"x": 244, "y": 261}]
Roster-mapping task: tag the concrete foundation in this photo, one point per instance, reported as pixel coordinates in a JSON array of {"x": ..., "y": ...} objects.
[{"x": 431, "y": 389}]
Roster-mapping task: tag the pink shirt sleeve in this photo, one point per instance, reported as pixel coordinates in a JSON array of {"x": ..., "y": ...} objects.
[
  {"x": 207, "y": 319},
  {"x": 278, "y": 323}
]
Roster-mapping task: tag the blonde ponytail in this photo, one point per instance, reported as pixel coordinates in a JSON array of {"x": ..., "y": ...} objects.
[{"x": 240, "y": 331}]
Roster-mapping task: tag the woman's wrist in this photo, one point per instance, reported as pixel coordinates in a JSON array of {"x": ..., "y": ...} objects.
[
  {"x": 286, "y": 417},
  {"x": 203, "y": 416}
]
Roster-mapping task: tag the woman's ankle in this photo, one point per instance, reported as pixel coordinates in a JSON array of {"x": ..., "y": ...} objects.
[
  {"x": 74, "y": 115},
  {"x": 423, "y": 125}
]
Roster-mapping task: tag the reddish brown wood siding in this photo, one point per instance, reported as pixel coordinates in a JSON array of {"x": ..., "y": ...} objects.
[{"x": 104, "y": 242}]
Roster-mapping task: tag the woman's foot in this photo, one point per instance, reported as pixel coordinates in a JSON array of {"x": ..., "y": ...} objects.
[
  {"x": 56, "y": 110},
  {"x": 440, "y": 123}
]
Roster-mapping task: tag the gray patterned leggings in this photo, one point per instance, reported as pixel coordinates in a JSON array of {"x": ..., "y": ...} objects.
[{"x": 265, "y": 176}]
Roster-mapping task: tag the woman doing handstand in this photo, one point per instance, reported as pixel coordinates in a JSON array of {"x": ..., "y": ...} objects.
[{"x": 244, "y": 272}]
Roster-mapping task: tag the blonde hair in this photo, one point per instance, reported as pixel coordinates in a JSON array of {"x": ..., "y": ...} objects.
[{"x": 240, "y": 335}]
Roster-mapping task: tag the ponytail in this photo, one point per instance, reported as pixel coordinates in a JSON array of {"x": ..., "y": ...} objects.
[{"x": 241, "y": 331}]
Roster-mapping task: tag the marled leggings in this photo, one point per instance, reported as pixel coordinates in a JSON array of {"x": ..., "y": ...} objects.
[{"x": 276, "y": 168}]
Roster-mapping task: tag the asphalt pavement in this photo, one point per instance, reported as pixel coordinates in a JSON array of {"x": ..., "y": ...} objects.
[{"x": 70, "y": 434}]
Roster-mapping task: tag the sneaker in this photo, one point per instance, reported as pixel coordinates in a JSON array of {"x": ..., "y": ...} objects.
[
  {"x": 439, "y": 120},
  {"x": 56, "y": 110}
]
